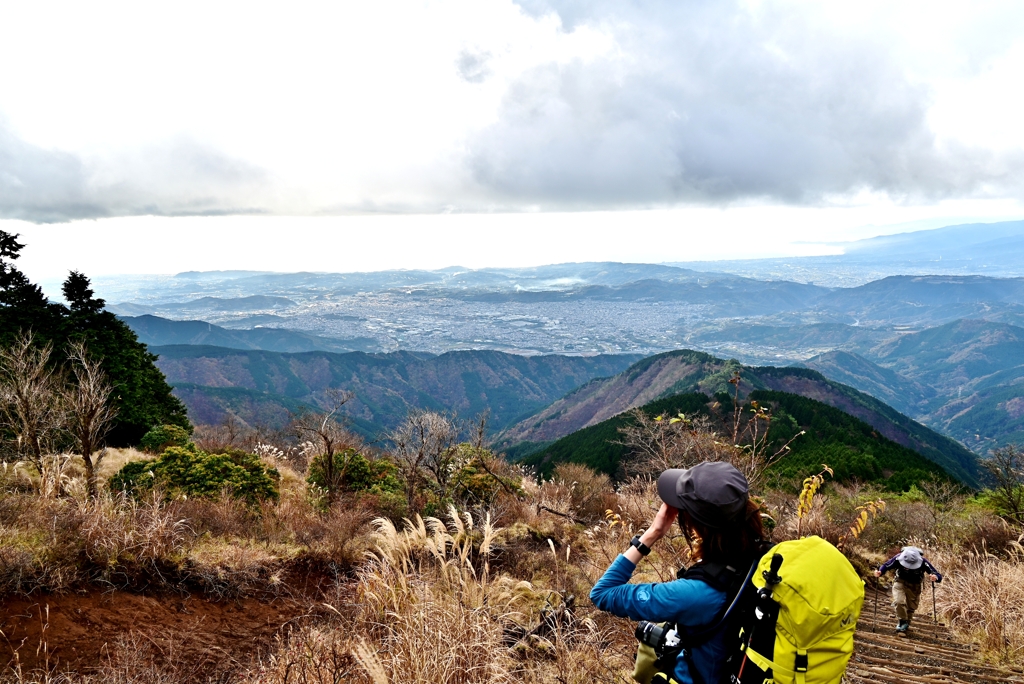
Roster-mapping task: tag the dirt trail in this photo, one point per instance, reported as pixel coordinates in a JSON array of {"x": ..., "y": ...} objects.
[
  {"x": 81, "y": 631},
  {"x": 928, "y": 655}
]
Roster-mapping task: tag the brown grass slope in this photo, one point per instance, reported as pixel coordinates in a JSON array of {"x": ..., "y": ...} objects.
[{"x": 641, "y": 383}]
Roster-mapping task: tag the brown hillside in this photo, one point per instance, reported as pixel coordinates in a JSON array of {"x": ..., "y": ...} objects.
[{"x": 642, "y": 383}]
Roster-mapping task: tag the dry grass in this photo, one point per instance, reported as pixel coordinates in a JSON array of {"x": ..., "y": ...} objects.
[
  {"x": 981, "y": 597},
  {"x": 432, "y": 610},
  {"x": 54, "y": 545},
  {"x": 222, "y": 547},
  {"x": 115, "y": 459},
  {"x": 472, "y": 598}
]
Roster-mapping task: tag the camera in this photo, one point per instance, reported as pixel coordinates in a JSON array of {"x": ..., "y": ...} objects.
[{"x": 660, "y": 637}]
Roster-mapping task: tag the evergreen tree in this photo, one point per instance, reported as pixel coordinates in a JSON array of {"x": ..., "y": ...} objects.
[
  {"x": 23, "y": 306},
  {"x": 141, "y": 393},
  {"x": 78, "y": 294}
]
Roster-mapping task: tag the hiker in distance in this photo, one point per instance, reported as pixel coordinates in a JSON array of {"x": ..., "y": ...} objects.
[
  {"x": 911, "y": 567},
  {"x": 711, "y": 504}
]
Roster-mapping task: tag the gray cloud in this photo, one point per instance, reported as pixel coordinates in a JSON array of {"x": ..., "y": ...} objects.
[
  {"x": 715, "y": 104},
  {"x": 41, "y": 185},
  {"x": 704, "y": 101},
  {"x": 178, "y": 178},
  {"x": 472, "y": 66}
]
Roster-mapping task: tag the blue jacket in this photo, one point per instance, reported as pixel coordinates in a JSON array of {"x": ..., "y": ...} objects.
[
  {"x": 689, "y": 602},
  {"x": 906, "y": 574}
]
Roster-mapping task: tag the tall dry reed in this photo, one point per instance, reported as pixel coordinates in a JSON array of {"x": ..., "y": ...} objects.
[{"x": 982, "y": 599}]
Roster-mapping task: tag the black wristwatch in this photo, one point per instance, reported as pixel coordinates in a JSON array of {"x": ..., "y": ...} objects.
[{"x": 635, "y": 542}]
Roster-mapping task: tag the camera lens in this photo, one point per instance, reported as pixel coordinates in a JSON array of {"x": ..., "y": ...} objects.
[{"x": 650, "y": 633}]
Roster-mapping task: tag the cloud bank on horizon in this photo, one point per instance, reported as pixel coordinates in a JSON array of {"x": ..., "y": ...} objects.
[{"x": 493, "y": 105}]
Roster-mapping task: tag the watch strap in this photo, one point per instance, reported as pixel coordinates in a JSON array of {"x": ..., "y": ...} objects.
[{"x": 635, "y": 542}]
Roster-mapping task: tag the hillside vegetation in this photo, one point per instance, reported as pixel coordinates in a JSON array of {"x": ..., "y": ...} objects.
[
  {"x": 455, "y": 567},
  {"x": 815, "y": 432},
  {"x": 963, "y": 378},
  {"x": 261, "y": 387},
  {"x": 665, "y": 375}
]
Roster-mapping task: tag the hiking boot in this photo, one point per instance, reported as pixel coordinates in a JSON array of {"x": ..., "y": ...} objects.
[{"x": 903, "y": 626}]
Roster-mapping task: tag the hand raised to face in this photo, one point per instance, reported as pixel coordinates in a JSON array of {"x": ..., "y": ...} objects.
[{"x": 663, "y": 521}]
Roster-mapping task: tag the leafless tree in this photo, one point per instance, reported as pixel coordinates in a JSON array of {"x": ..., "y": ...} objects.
[
  {"x": 1006, "y": 468},
  {"x": 426, "y": 441},
  {"x": 229, "y": 433},
  {"x": 942, "y": 493},
  {"x": 89, "y": 411},
  {"x": 661, "y": 442},
  {"x": 325, "y": 431},
  {"x": 479, "y": 427},
  {"x": 30, "y": 397}
]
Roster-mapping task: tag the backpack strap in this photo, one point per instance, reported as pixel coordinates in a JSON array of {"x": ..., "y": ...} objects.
[
  {"x": 724, "y": 578},
  {"x": 721, "y": 576}
]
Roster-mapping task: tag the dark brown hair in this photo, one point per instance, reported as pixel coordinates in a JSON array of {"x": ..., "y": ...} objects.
[{"x": 741, "y": 541}]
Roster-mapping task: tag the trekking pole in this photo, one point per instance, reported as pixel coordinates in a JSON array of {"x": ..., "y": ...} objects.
[
  {"x": 874, "y": 623},
  {"x": 935, "y": 614}
]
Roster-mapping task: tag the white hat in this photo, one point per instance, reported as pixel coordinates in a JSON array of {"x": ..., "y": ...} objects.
[{"x": 911, "y": 557}]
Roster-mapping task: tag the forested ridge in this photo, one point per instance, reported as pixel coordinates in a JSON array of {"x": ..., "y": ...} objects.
[{"x": 815, "y": 433}]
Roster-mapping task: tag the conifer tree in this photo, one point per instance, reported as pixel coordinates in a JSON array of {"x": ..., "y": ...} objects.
[{"x": 140, "y": 392}]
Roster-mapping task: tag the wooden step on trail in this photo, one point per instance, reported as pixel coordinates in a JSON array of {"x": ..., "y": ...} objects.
[{"x": 927, "y": 654}]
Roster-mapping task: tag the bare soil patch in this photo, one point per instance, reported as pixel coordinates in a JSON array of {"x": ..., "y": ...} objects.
[{"x": 82, "y": 631}]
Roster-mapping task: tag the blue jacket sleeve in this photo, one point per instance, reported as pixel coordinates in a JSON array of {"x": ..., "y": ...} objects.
[
  {"x": 889, "y": 564},
  {"x": 931, "y": 568},
  {"x": 689, "y": 602}
]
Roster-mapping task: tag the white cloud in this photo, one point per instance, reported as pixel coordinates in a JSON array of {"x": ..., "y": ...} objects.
[
  {"x": 114, "y": 109},
  {"x": 717, "y": 102}
]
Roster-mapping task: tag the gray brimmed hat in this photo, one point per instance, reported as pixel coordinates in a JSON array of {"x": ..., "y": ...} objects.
[
  {"x": 911, "y": 557},
  {"x": 714, "y": 494}
]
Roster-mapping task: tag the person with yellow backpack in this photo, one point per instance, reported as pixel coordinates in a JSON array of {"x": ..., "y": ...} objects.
[{"x": 743, "y": 612}]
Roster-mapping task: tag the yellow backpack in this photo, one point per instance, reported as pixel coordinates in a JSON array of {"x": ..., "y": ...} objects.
[
  {"x": 793, "y": 623},
  {"x": 817, "y": 597}
]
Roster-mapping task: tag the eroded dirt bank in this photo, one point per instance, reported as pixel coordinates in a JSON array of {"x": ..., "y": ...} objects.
[{"x": 83, "y": 631}]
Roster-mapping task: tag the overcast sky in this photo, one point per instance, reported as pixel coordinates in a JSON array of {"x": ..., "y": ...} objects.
[{"x": 147, "y": 137}]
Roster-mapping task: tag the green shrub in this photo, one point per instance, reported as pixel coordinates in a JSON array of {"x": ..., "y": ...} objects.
[
  {"x": 354, "y": 472},
  {"x": 188, "y": 471},
  {"x": 474, "y": 485},
  {"x": 161, "y": 437}
]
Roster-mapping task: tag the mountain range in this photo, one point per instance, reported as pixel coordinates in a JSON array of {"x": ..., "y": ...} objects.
[
  {"x": 965, "y": 379},
  {"x": 995, "y": 249},
  {"x": 809, "y": 432},
  {"x": 160, "y": 332},
  {"x": 674, "y": 373},
  {"x": 942, "y": 348},
  {"x": 265, "y": 388},
  {"x": 531, "y": 401}
]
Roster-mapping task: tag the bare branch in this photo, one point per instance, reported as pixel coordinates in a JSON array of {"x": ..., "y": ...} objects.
[
  {"x": 325, "y": 431},
  {"x": 30, "y": 399},
  {"x": 89, "y": 411},
  {"x": 426, "y": 443}
]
